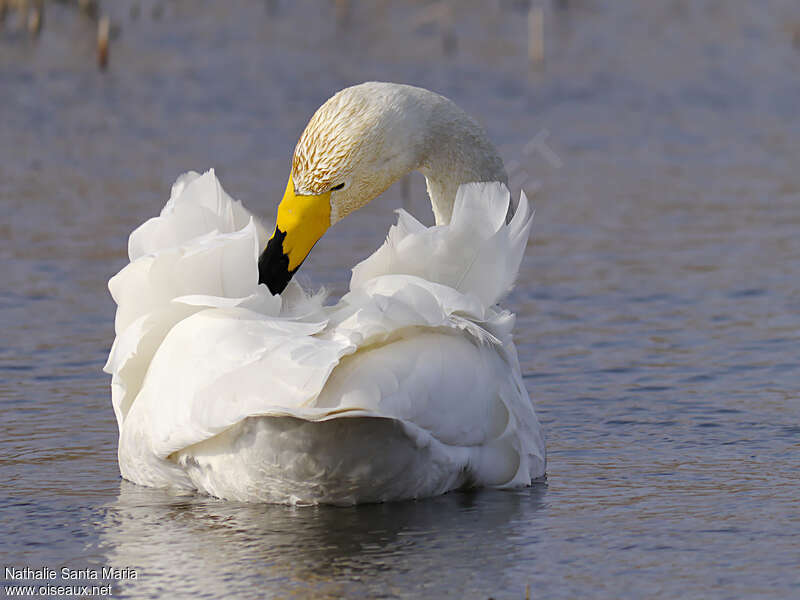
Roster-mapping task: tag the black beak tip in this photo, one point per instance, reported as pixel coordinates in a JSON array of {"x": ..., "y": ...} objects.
[{"x": 273, "y": 264}]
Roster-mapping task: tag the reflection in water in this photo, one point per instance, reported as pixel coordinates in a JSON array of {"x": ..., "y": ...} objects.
[{"x": 198, "y": 545}]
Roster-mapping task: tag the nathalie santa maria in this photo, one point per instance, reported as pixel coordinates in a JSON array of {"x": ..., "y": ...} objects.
[{"x": 45, "y": 573}]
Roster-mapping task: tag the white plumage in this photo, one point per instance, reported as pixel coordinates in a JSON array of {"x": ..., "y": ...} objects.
[{"x": 408, "y": 387}]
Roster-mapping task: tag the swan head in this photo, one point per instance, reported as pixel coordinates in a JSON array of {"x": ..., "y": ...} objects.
[{"x": 355, "y": 146}]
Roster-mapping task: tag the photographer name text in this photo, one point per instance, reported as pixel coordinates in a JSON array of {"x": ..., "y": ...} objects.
[{"x": 49, "y": 574}]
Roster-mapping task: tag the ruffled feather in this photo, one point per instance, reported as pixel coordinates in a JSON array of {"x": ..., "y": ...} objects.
[{"x": 218, "y": 385}]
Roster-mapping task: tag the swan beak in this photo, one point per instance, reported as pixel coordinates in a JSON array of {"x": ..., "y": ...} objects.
[{"x": 302, "y": 219}]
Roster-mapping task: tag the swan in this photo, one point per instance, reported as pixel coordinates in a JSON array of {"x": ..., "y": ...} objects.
[{"x": 228, "y": 378}]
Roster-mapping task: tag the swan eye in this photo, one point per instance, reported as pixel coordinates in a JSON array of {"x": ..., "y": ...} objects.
[{"x": 337, "y": 187}]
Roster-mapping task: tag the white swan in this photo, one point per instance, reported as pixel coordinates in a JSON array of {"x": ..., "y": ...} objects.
[{"x": 408, "y": 387}]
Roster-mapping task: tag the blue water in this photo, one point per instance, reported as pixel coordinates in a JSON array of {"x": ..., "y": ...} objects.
[{"x": 658, "y": 304}]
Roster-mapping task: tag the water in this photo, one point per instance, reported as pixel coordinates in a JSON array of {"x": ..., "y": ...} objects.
[{"x": 659, "y": 302}]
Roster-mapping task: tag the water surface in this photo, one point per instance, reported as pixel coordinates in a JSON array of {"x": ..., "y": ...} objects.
[{"x": 658, "y": 305}]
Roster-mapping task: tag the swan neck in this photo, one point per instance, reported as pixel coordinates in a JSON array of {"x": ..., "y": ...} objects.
[{"x": 457, "y": 151}]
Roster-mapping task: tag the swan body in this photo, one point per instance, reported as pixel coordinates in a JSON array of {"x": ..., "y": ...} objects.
[{"x": 408, "y": 387}]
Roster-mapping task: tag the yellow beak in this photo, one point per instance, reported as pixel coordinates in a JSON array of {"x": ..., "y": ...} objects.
[{"x": 301, "y": 222}]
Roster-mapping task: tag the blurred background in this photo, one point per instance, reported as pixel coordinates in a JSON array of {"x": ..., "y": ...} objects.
[{"x": 658, "y": 305}]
